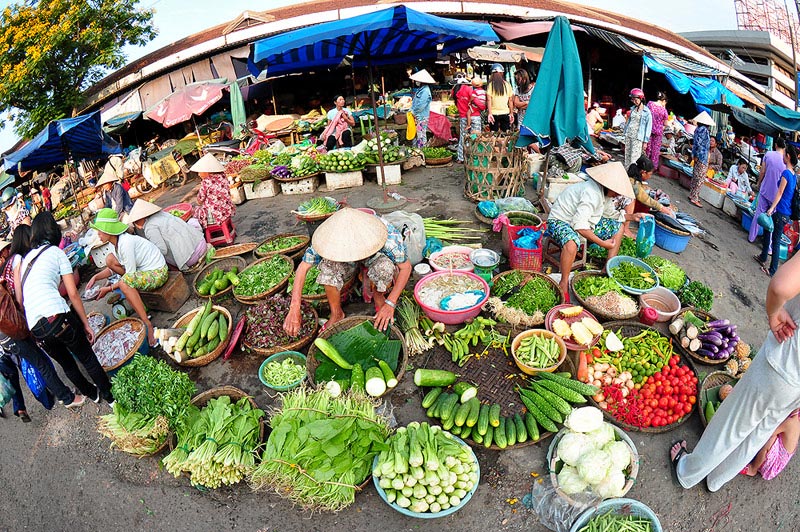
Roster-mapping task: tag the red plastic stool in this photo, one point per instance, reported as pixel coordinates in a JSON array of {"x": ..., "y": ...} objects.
[{"x": 221, "y": 234}]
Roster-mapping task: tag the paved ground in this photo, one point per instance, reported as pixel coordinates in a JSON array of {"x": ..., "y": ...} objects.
[{"x": 58, "y": 474}]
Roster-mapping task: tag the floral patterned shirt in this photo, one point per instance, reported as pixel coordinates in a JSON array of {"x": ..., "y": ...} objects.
[{"x": 214, "y": 200}]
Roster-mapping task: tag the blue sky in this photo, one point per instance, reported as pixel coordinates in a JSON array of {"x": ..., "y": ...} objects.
[{"x": 176, "y": 19}]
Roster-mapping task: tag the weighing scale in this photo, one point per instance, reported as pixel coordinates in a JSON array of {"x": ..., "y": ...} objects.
[{"x": 485, "y": 262}]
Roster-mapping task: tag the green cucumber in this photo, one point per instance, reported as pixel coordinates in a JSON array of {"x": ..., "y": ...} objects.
[
  {"x": 465, "y": 390},
  {"x": 329, "y": 351},
  {"x": 455, "y": 430},
  {"x": 488, "y": 437},
  {"x": 431, "y": 397},
  {"x": 522, "y": 434},
  {"x": 531, "y": 427},
  {"x": 500, "y": 434},
  {"x": 465, "y": 432},
  {"x": 435, "y": 410},
  {"x": 374, "y": 383},
  {"x": 433, "y": 377},
  {"x": 474, "y": 412},
  {"x": 511, "y": 431},
  {"x": 461, "y": 414},
  {"x": 223, "y": 327},
  {"x": 494, "y": 415},
  {"x": 483, "y": 420},
  {"x": 448, "y": 410},
  {"x": 476, "y": 436},
  {"x": 388, "y": 374},
  {"x": 448, "y": 423}
]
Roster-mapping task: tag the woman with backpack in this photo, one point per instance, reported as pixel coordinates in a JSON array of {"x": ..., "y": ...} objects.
[
  {"x": 63, "y": 332},
  {"x": 16, "y": 349}
]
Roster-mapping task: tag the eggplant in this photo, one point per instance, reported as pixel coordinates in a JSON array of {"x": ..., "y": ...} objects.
[
  {"x": 713, "y": 338},
  {"x": 708, "y": 354},
  {"x": 711, "y": 347},
  {"x": 717, "y": 323}
]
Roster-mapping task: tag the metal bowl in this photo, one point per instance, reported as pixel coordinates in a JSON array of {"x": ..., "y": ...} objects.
[{"x": 485, "y": 258}]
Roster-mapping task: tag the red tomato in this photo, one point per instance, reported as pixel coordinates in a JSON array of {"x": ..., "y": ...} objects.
[{"x": 692, "y": 399}]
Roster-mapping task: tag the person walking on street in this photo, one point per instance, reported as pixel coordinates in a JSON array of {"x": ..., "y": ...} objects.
[
  {"x": 700, "y": 148},
  {"x": 421, "y": 106},
  {"x": 658, "y": 110},
  {"x": 772, "y": 166},
  {"x": 638, "y": 128}
]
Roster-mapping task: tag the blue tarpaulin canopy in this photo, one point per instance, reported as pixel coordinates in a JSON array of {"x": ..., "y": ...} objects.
[
  {"x": 703, "y": 90},
  {"x": 785, "y": 118},
  {"x": 81, "y": 137},
  {"x": 386, "y": 37}
]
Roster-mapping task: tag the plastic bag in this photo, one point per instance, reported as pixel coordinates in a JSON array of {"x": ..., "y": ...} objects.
[
  {"x": 432, "y": 245},
  {"x": 36, "y": 384},
  {"x": 6, "y": 391},
  {"x": 645, "y": 237},
  {"x": 412, "y": 228},
  {"x": 488, "y": 209},
  {"x": 528, "y": 239},
  {"x": 514, "y": 204},
  {"x": 552, "y": 510}
]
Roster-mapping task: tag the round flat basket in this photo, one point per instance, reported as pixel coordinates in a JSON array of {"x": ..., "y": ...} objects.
[
  {"x": 223, "y": 264},
  {"x": 293, "y": 178},
  {"x": 295, "y": 252},
  {"x": 274, "y": 289},
  {"x": 318, "y": 217},
  {"x": 602, "y": 315},
  {"x": 709, "y": 390},
  {"x": 206, "y": 359},
  {"x": 555, "y": 314},
  {"x": 483, "y": 219},
  {"x": 137, "y": 325},
  {"x": 235, "y": 250},
  {"x": 528, "y": 321},
  {"x": 439, "y": 161},
  {"x": 625, "y": 507},
  {"x": 554, "y": 466},
  {"x": 428, "y": 515},
  {"x": 348, "y": 323},
  {"x": 629, "y": 329},
  {"x": 97, "y": 317},
  {"x": 292, "y": 346},
  {"x": 676, "y": 343}
]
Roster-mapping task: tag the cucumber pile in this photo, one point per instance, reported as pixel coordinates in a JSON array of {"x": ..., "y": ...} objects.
[
  {"x": 375, "y": 380},
  {"x": 303, "y": 165},
  {"x": 547, "y": 400},
  {"x": 340, "y": 161},
  {"x": 207, "y": 331},
  {"x": 217, "y": 281}
]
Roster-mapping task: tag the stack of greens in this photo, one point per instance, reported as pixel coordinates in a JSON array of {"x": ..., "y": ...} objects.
[
  {"x": 669, "y": 274},
  {"x": 320, "y": 448},
  {"x": 150, "y": 400},
  {"x": 527, "y": 306},
  {"x": 696, "y": 294},
  {"x": 259, "y": 278},
  {"x": 310, "y": 287},
  {"x": 216, "y": 445},
  {"x": 595, "y": 285}
]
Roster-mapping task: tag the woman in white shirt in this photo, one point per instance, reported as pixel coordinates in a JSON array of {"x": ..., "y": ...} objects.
[
  {"x": 137, "y": 260},
  {"x": 63, "y": 332},
  {"x": 738, "y": 181}
]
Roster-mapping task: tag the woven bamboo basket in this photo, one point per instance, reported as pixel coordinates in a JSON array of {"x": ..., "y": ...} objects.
[
  {"x": 274, "y": 289},
  {"x": 527, "y": 276},
  {"x": 206, "y": 359},
  {"x": 223, "y": 264},
  {"x": 137, "y": 324},
  {"x": 597, "y": 311},
  {"x": 438, "y": 161},
  {"x": 293, "y": 252},
  {"x": 292, "y": 346},
  {"x": 494, "y": 167},
  {"x": 632, "y": 328},
  {"x": 709, "y": 390},
  {"x": 676, "y": 344},
  {"x": 235, "y": 250},
  {"x": 348, "y": 323},
  {"x": 322, "y": 299}
]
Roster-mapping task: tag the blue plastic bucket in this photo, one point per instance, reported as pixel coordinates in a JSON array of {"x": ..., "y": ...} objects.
[
  {"x": 747, "y": 219},
  {"x": 670, "y": 240}
]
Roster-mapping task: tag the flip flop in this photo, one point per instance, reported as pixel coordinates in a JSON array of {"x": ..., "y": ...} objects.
[
  {"x": 759, "y": 261},
  {"x": 696, "y": 203},
  {"x": 674, "y": 461}
]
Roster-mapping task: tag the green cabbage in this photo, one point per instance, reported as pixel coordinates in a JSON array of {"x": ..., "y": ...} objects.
[
  {"x": 620, "y": 454},
  {"x": 602, "y": 435},
  {"x": 572, "y": 446},
  {"x": 570, "y": 481},
  {"x": 594, "y": 465},
  {"x": 611, "y": 486}
]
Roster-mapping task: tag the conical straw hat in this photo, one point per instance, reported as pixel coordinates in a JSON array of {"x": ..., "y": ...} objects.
[
  {"x": 704, "y": 118},
  {"x": 142, "y": 209},
  {"x": 422, "y": 77},
  {"x": 109, "y": 176},
  {"x": 349, "y": 236},
  {"x": 208, "y": 163},
  {"x": 612, "y": 176}
]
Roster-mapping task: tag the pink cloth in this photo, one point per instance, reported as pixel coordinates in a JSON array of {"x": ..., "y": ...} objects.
[
  {"x": 214, "y": 204},
  {"x": 439, "y": 125},
  {"x": 336, "y": 127},
  {"x": 777, "y": 458},
  {"x": 660, "y": 117}
]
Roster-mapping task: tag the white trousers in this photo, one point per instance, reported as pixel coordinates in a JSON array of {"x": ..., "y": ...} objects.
[{"x": 746, "y": 419}]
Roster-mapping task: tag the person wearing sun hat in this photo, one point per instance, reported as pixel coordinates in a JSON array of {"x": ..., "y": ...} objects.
[
  {"x": 182, "y": 244},
  {"x": 14, "y": 209},
  {"x": 114, "y": 194},
  {"x": 214, "y": 204},
  {"x": 421, "y": 105},
  {"x": 344, "y": 241},
  {"x": 136, "y": 259},
  {"x": 499, "y": 100},
  {"x": 701, "y": 146},
  {"x": 594, "y": 210}
]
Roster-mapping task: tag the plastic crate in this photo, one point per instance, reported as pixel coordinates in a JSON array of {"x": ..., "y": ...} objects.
[
  {"x": 301, "y": 186},
  {"x": 337, "y": 180},
  {"x": 525, "y": 259},
  {"x": 265, "y": 189}
]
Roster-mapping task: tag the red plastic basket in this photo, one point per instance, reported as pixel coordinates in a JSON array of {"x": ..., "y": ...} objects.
[
  {"x": 511, "y": 233},
  {"x": 525, "y": 259},
  {"x": 185, "y": 207}
]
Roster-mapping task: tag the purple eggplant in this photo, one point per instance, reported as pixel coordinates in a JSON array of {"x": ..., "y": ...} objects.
[
  {"x": 710, "y": 347},
  {"x": 708, "y": 354},
  {"x": 717, "y": 323},
  {"x": 711, "y": 337}
]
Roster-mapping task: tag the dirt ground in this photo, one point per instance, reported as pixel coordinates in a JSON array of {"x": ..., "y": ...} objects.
[{"x": 58, "y": 474}]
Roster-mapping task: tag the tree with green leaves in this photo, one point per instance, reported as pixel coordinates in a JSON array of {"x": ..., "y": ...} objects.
[{"x": 53, "y": 50}]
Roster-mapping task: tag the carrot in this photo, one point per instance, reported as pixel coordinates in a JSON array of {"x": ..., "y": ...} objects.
[{"x": 583, "y": 369}]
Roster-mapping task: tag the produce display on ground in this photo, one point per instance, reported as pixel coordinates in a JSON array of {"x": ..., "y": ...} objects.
[
  {"x": 207, "y": 330},
  {"x": 113, "y": 346},
  {"x": 262, "y": 276},
  {"x": 595, "y": 285},
  {"x": 574, "y": 325},
  {"x": 425, "y": 470},
  {"x": 217, "y": 280},
  {"x": 697, "y": 294},
  {"x": 320, "y": 448},
  {"x": 436, "y": 153},
  {"x": 709, "y": 341},
  {"x": 591, "y": 460},
  {"x": 265, "y": 323},
  {"x": 318, "y": 206},
  {"x": 630, "y": 275},
  {"x": 281, "y": 243},
  {"x": 626, "y": 248},
  {"x": 391, "y": 152},
  {"x": 537, "y": 352},
  {"x": 150, "y": 399},
  {"x": 303, "y": 166},
  {"x": 216, "y": 444},
  {"x": 96, "y": 322},
  {"x": 436, "y": 289},
  {"x": 610, "y": 520},
  {"x": 235, "y": 165},
  {"x": 711, "y": 399},
  {"x": 361, "y": 358},
  {"x": 670, "y": 275},
  {"x": 408, "y": 320},
  {"x": 527, "y": 305}
]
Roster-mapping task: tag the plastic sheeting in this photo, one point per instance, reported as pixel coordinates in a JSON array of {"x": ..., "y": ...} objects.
[
  {"x": 785, "y": 118},
  {"x": 703, "y": 90}
]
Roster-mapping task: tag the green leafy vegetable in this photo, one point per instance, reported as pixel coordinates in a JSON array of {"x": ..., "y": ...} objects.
[
  {"x": 283, "y": 373},
  {"x": 260, "y": 277},
  {"x": 536, "y": 295},
  {"x": 280, "y": 243},
  {"x": 632, "y": 275},
  {"x": 595, "y": 285},
  {"x": 669, "y": 274},
  {"x": 696, "y": 294}
]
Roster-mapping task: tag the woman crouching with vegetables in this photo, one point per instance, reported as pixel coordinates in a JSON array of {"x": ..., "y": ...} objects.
[
  {"x": 594, "y": 210},
  {"x": 137, "y": 260},
  {"x": 340, "y": 244}
]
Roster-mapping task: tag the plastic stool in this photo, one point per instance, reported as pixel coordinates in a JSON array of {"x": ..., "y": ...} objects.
[
  {"x": 552, "y": 253},
  {"x": 221, "y": 234}
]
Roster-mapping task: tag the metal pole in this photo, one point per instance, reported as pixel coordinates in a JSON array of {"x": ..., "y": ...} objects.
[{"x": 794, "y": 56}]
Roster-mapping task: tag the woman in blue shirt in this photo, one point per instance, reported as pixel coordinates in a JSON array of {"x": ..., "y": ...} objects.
[
  {"x": 780, "y": 210},
  {"x": 421, "y": 106},
  {"x": 700, "y": 147}
]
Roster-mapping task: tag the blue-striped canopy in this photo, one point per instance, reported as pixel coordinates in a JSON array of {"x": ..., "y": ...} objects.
[
  {"x": 81, "y": 137},
  {"x": 389, "y": 36}
]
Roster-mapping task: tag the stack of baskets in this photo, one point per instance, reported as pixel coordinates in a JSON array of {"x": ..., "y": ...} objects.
[{"x": 495, "y": 168}]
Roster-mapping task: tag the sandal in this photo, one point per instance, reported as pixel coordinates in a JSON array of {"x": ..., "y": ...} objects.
[
  {"x": 696, "y": 203},
  {"x": 760, "y": 262},
  {"x": 23, "y": 415},
  {"x": 674, "y": 461}
]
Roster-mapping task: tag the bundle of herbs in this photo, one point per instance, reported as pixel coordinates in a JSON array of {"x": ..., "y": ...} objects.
[
  {"x": 217, "y": 445},
  {"x": 528, "y": 305},
  {"x": 408, "y": 313},
  {"x": 260, "y": 277},
  {"x": 150, "y": 400},
  {"x": 320, "y": 448},
  {"x": 265, "y": 322}
]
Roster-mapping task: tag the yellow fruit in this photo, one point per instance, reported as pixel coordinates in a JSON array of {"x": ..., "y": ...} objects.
[
  {"x": 569, "y": 312},
  {"x": 742, "y": 350},
  {"x": 594, "y": 327},
  {"x": 581, "y": 334},
  {"x": 732, "y": 367},
  {"x": 561, "y": 328}
]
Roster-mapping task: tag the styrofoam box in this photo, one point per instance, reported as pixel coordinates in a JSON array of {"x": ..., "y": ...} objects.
[
  {"x": 712, "y": 195},
  {"x": 237, "y": 195},
  {"x": 556, "y": 186},
  {"x": 730, "y": 208},
  {"x": 100, "y": 253},
  {"x": 337, "y": 180},
  {"x": 392, "y": 173},
  {"x": 301, "y": 186},
  {"x": 264, "y": 189}
]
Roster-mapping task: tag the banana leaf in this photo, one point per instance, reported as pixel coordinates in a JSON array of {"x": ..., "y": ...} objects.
[{"x": 363, "y": 344}]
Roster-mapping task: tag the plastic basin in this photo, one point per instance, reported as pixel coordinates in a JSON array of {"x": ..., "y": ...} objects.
[
  {"x": 621, "y": 506},
  {"x": 463, "y": 250},
  {"x": 185, "y": 207},
  {"x": 670, "y": 241},
  {"x": 451, "y": 317},
  {"x": 663, "y": 301},
  {"x": 300, "y": 360},
  {"x": 619, "y": 259}
]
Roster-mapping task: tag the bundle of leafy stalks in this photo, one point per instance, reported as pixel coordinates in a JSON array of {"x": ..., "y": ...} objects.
[
  {"x": 150, "y": 400},
  {"x": 320, "y": 448},
  {"x": 217, "y": 444},
  {"x": 450, "y": 230}
]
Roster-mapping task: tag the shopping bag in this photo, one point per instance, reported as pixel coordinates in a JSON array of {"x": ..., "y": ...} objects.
[
  {"x": 645, "y": 237},
  {"x": 6, "y": 391},
  {"x": 411, "y": 127},
  {"x": 36, "y": 384}
]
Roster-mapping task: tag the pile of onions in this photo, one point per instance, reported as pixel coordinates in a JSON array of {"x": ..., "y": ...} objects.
[{"x": 601, "y": 374}]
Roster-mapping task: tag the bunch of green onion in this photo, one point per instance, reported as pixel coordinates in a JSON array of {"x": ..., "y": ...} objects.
[
  {"x": 450, "y": 230},
  {"x": 408, "y": 320}
]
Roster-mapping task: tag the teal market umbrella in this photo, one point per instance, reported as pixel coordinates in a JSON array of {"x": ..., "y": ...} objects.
[
  {"x": 238, "y": 114},
  {"x": 555, "y": 111}
]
